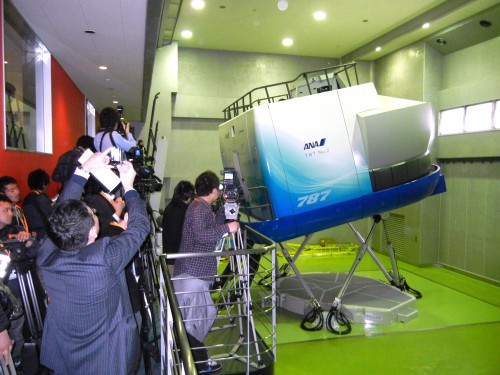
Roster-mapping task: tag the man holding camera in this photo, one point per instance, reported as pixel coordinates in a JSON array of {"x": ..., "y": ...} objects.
[
  {"x": 192, "y": 276},
  {"x": 114, "y": 132},
  {"x": 90, "y": 326}
]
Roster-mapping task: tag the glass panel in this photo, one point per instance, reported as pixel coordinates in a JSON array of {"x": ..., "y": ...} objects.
[
  {"x": 90, "y": 119},
  {"x": 478, "y": 117},
  {"x": 28, "y": 106},
  {"x": 452, "y": 121}
]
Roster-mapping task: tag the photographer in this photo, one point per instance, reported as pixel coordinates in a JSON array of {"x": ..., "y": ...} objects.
[
  {"x": 90, "y": 326},
  {"x": 67, "y": 162},
  {"x": 25, "y": 245},
  {"x": 111, "y": 132}
]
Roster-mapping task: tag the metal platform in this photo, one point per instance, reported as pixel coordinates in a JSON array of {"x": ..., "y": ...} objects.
[{"x": 366, "y": 300}]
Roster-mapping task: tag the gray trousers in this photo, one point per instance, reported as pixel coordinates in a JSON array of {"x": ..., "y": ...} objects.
[
  {"x": 16, "y": 334},
  {"x": 196, "y": 305}
]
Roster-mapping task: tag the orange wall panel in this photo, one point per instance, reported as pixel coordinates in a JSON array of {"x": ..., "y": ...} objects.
[{"x": 68, "y": 123}]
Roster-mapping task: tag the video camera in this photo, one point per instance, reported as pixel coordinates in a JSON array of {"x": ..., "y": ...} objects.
[
  {"x": 145, "y": 180},
  {"x": 119, "y": 129},
  {"x": 234, "y": 192},
  {"x": 16, "y": 249},
  {"x": 230, "y": 185}
]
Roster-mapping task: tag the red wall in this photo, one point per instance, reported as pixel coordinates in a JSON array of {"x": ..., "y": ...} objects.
[{"x": 68, "y": 123}]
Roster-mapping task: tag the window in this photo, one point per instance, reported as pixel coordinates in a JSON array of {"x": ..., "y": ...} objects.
[
  {"x": 470, "y": 119},
  {"x": 478, "y": 117},
  {"x": 452, "y": 121},
  {"x": 90, "y": 119},
  {"x": 28, "y": 102},
  {"x": 496, "y": 116}
]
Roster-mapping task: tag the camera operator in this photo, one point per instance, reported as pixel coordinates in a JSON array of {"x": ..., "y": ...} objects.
[
  {"x": 24, "y": 248},
  {"x": 111, "y": 132},
  {"x": 193, "y": 276}
]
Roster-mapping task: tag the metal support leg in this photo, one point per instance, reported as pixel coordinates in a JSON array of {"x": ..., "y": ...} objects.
[
  {"x": 299, "y": 251},
  {"x": 313, "y": 320},
  {"x": 291, "y": 264}
]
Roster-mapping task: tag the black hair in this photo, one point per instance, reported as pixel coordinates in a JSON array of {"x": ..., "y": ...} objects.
[
  {"x": 38, "y": 179},
  {"x": 109, "y": 118},
  {"x": 183, "y": 190},
  {"x": 10, "y": 89},
  {"x": 6, "y": 180},
  {"x": 70, "y": 224},
  {"x": 86, "y": 141},
  {"x": 4, "y": 198},
  {"x": 205, "y": 183}
]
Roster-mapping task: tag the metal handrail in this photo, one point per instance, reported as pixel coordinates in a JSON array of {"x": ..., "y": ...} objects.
[
  {"x": 178, "y": 325},
  {"x": 247, "y": 100},
  {"x": 180, "y": 335}
]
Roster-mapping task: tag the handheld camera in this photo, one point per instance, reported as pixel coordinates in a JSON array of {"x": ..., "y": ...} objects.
[{"x": 117, "y": 156}]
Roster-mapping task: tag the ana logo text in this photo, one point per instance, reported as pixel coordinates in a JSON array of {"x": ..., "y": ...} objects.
[{"x": 314, "y": 144}]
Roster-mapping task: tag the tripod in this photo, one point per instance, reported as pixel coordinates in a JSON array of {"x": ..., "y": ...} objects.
[
  {"x": 25, "y": 289},
  {"x": 237, "y": 285},
  {"x": 149, "y": 286},
  {"x": 29, "y": 298}
]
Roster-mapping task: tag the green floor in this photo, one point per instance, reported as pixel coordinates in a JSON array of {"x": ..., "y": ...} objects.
[{"x": 457, "y": 330}]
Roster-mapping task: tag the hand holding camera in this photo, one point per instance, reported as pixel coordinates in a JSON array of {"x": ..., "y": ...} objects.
[
  {"x": 123, "y": 128},
  {"x": 23, "y": 237},
  {"x": 233, "y": 226},
  {"x": 98, "y": 160},
  {"x": 127, "y": 175}
]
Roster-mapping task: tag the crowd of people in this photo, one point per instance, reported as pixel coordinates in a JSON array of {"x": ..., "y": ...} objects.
[{"x": 80, "y": 248}]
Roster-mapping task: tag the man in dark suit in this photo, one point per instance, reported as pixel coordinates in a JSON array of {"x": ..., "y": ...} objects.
[{"x": 90, "y": 326}]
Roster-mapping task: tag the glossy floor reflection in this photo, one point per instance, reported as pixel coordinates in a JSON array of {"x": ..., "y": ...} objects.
[{"x": 457, "y": 330}]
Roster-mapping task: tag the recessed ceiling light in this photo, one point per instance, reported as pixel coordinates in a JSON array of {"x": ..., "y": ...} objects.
[
  {"x": 198, "y": 4},
  {"x": 102, "y": 67},
  {"x": 90, "y": 31},
  {"x": 5, "y": 62},
  {"x": 187, "y": 34},
  {"x": 319, "y": 15},
  {"x": 426, "y": 25},
  {"x": 282, "y": 4},
  {"x": 287, "y": 42},
  {"x": 441, "y": 41},
  {"x": 485, "y": 23},
  {"x": 115, "y": 101},
  {"x": 378, "y": 49}
]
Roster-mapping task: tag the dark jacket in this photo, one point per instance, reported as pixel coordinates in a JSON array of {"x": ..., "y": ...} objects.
[
  {"x": 90, "y": 327},
  {"x": 4, "y": 320},
  {"x": 173, "y": 220},
  {"x": 112, "y": 229},
  {"x": 66, "y": 165},
  {"x": 37, "y": 208}
]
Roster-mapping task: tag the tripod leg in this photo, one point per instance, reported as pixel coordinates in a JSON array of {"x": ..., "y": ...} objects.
[
  {"x": 148, "y": 312},
  {"x": 242, "y": 262},
  {"x": 34, "y": 301}
]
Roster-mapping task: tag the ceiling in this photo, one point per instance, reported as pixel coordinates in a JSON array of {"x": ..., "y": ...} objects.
[{"x": 127, "y": 32}]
